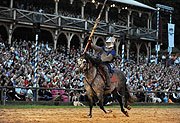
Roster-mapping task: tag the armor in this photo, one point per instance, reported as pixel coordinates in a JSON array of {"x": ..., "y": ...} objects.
[{"x": 107, "y": 55}]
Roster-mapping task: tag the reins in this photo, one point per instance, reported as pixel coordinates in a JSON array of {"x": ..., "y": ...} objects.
[{"x": 90, "y": 84}]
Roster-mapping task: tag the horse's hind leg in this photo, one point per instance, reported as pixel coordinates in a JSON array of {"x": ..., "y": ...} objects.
[
  {"x": 119, "y": 98},
  {"x": 126, "y": 99},
  {"x": 102, "y": 107},
  {"x": 126, "y": 104}
]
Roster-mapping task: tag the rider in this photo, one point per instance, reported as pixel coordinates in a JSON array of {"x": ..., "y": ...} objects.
[{"x": 107, "y": 55}]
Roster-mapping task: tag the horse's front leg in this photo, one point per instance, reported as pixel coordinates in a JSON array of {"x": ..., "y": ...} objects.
[
  {"x": 102, "y": 107},
  {"x": 90, "y": 107}
]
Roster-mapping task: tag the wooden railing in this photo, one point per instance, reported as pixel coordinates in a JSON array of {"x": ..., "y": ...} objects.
[
  {"x": 68, "y": 23},
  {"x": 3, "y": 90}
]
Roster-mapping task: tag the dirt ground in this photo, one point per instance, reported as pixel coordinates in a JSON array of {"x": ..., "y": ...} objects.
[{"x": 78, "y": 115}]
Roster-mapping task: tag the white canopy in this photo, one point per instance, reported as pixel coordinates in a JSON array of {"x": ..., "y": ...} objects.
[{"x": 134, "y": 3}]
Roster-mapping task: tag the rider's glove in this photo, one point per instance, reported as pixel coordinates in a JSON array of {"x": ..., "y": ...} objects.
[{"x": 90, "y": 41}]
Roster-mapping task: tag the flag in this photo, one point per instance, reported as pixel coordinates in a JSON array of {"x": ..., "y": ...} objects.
[{"x": 171, "y": 28}]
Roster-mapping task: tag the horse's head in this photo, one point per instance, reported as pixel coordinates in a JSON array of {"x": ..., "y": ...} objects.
[{"x": 83, "y": 63}]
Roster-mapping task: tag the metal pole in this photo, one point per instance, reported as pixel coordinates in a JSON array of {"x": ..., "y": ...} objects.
[
  {"x": 36, "y": 55},
  {"x": 157, "y": 35},
  {"x": 170, "y": 9},
  {"x": 122, "y": 65},
  {"x": 35, "y": 70},
  {"x": 11, "y": 4},
  {"x": 56, "y": 7},
  {"x": 150, "y": 53},
  {"x": 170, "y": 18}
]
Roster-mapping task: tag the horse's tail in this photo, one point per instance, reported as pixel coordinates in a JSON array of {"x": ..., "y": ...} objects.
[{"x": 129, "y": 97}]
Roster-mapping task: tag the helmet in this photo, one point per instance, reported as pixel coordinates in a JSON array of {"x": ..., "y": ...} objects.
[{"x": 110, "y": 42}]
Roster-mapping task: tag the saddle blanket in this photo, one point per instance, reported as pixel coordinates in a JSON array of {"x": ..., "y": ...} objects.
[
  {"x": 114, "y": 78},
  {"x": 112, "y": 75}
]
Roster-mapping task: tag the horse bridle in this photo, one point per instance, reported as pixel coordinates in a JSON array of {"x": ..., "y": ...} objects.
[
  {"x": 87, "y": 68},
  {"x": 90, "y": 83}
]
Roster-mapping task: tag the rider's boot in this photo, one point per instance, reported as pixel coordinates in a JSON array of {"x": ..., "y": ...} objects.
[{"x": 106, "y": 72}]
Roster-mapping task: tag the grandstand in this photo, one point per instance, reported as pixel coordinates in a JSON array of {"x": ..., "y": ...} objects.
[{"x": 65, "y": 26}]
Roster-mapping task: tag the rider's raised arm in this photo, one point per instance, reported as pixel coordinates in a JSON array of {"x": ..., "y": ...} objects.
[{"x": 97, "y": 48}]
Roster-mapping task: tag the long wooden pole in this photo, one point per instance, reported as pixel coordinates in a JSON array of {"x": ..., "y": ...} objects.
[{"x": 92, "y": 32}]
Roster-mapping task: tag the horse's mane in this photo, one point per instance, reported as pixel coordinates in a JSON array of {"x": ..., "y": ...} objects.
[{"x": 89, "y": 58}]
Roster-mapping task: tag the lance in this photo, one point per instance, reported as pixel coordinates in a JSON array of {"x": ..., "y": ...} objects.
[{"x": 97, "y": 20}]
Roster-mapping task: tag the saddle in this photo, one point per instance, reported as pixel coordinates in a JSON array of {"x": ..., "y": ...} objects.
[{"x": 113, "y": 75}]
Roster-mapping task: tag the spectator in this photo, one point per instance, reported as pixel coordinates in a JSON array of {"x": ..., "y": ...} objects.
[
  {"x": 165, "y": 99},
  {"x": 30, "y": 94},
  {"x": 56, "y": 69}
]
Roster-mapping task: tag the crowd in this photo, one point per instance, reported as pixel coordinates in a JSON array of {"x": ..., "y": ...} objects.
[
  {"x": 149, "y": 76},
  {"x": 56, "y": 69},
  {"x": 154, "y": 77}
]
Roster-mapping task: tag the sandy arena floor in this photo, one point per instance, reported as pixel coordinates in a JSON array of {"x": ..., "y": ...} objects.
[{"x": 74, "y": 115}]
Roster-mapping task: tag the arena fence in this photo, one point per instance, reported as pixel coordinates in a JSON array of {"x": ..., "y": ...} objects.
[
  {"x": 36, "y": 97},
  {"x": 4, "y": 90}
]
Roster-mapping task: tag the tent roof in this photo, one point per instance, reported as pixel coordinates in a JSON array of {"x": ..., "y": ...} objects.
[{"x": 134, "y": 3}]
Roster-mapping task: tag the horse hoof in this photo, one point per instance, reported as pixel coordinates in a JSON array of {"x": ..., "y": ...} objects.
[
  {"x": 126, "y": 113},
  {"x": 129, "y": 107},
  {"x": 90, "y": 116},
  {"x": 109, "y": 111}
]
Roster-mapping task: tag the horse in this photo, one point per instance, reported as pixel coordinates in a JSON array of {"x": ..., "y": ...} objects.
[{"x": 94, "y": 84}]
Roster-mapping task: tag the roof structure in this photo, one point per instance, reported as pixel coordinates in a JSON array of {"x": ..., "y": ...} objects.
[{"x": 134, "y": 3}]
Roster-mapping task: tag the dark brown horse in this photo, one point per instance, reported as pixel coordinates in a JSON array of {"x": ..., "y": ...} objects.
[{"x": 95, "y": 84}]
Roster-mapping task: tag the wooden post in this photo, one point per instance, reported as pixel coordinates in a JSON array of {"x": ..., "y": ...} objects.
[
  {"x": 2, "y": 96},
  {"x": 37, "y": 95},
  {"x": 146, "y": 96}
]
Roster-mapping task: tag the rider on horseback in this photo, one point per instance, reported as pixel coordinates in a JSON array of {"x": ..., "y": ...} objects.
[{"x": 107, "y": 55}]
